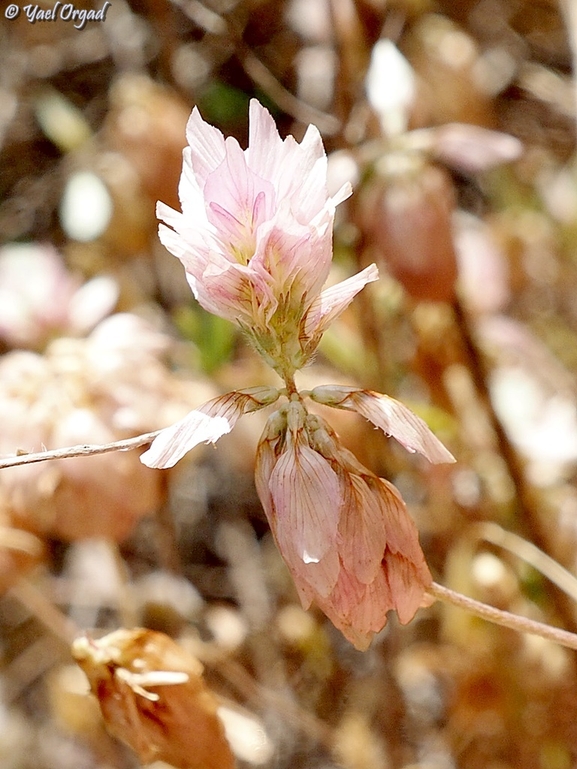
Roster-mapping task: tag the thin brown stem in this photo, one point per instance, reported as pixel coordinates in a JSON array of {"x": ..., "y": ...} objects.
[
  {"x": 504, "y": 618},
  {"x": 61, "y": 626},
  {"x": 287, "y": 101},
  {"x": 569, "y": 11},
  {"x": 290, "y": 386},
  {"x": 528, "y": 517},
  {"x": 84, "y": 450}
]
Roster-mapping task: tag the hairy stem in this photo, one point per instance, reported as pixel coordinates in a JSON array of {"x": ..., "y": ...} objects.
[
  {"x": 504, "y": 618},
  {"x": 84, "y": 450}
]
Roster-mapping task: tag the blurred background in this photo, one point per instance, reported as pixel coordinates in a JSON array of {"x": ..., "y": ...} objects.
[{"x": 455, "y": 123}]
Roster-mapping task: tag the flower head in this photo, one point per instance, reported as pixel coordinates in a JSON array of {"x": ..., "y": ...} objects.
[
  {"x": 255, "y": 239},
  {"x": 255, "y": 235}
]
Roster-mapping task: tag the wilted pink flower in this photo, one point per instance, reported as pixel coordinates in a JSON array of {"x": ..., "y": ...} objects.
[
  {"x": 345, "y": 534},
  {"x": 255, "y": 235}
]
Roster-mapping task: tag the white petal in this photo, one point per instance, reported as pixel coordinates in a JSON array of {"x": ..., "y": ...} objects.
[
  {"x": 399, "y": 421},
  {"x": 207, "y": 424},
  {"x": 92, "y": 302},
  {"x": 345, "y": 191},
  {"x": 207, "y": 144},
  {"x": 178, "y": 439},
  {"x": 390, "y": 415},
  {"x": 391, "y": 86},
  {"x": 247, "y": 736},
  {"x": 334, "y": 300}
]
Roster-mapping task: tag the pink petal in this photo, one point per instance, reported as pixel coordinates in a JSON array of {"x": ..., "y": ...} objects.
[
  {"x": 235, "y": 188},
  {"x": 333, "y": 301},
  {"x": 406, "y": 586},
  {"x": 374, "y": 581},
  {"x": 175, "y": 441},
  {"x": 298, "y": 171},
  {"x": 390, "y": 415},
  {"x": 401, "y": 532},
  {"x": 267, "y": 454},
  {"x": 314, "y": 581},
  {"x": 370, "y": 614},
  {"x": 311, "y": 579},
  {"x": 207, "y": 144},
  {"x": 404, "y": 564},
  {"x": 362, "y": 529},
  {"x": 295, "y": 259},
  {"x": 233, "y": 291},
  {"x": 307, "y": 499},
  {"x": 357, "y": 610}
]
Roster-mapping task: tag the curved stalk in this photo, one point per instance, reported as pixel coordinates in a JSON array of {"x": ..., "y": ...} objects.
[{"x": 504, "y": 618}]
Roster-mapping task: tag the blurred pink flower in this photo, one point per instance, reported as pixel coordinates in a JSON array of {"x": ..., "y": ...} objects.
[
  {"x": 41, "y": 300},
  {"x": 255, "y": 235},
  {"x": 344, "y": 533},
  {"x": 111, "y": 385}
]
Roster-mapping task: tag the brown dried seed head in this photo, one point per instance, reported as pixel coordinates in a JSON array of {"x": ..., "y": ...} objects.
[{"x": 153, "y": 697}]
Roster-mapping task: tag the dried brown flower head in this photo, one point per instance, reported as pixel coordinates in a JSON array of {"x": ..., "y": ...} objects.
[{"x": 153, "y": 697}]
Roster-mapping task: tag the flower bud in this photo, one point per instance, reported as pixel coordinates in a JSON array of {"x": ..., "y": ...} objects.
[{"x": 405, "y": 219}]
